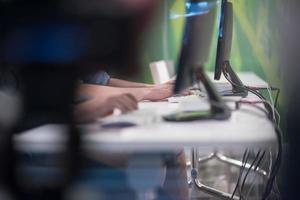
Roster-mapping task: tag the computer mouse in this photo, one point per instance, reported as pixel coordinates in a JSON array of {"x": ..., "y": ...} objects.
[{"x": 117, "y": 125}]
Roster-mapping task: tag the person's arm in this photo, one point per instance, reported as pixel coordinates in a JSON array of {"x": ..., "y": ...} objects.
[
  {"x": 100, "y": 106},
  {"x": 103, "y": 78},
  {"x": 99, "y": 90},
  {"x": 155, "y": 93},
  {"x": 114, "y": 82}
]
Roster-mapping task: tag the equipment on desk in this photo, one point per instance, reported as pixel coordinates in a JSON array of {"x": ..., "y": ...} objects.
[
  {"x": 194, "y": 54},
  {"x": 117, "y": 125},
  {"x": 223, "y": 53}
]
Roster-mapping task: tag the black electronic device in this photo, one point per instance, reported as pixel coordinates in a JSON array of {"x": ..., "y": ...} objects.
[
  {"x": 223, "y": 52},
  {"x": 118, "y": 125},
  {"x": 194, "y": 54}
]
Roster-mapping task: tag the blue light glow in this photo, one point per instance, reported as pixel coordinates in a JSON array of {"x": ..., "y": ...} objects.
[
  {"x": 203, "y": 4},
  {"x": 195, "y": 9}
]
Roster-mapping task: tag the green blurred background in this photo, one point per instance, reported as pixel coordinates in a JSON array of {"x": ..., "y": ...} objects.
[
  {"x": 255, "y": 37},
  {"x": 255, "y": 45}
]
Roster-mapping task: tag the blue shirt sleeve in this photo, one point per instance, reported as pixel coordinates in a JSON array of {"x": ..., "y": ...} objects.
[{"x": 99, "y": 78}]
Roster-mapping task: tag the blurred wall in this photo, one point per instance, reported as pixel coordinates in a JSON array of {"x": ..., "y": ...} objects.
[
  {"x": 256, "y": 37},
  {"x": 255, "y": 42},
  {"x": 289, "y": 59}
]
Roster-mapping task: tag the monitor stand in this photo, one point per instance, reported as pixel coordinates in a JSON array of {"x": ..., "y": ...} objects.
[
  {"x": 218, "y": 109},
  {"x": 238, "y": 88}
]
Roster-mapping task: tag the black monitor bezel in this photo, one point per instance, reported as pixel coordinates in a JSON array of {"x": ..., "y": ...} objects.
[{"x": 224, "y": 39}]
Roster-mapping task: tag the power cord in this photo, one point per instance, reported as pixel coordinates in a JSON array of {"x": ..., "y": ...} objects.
[
  {"x": 244, "y": 161},
  {"x": 260, "y": 163},
  {"x": 277, "y": 90},
  {"x": 270, "y": 111},
  {"x": 258, "y": 159},
  {"x": 242, "y": 86},
  {"x": 277, "y": 163},
  {"x": 271, "y": 117}
]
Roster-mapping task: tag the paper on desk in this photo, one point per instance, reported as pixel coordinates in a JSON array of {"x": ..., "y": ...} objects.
[{"x": 195, "y": 105}]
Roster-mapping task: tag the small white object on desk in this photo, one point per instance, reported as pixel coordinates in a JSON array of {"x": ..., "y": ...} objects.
[{"x": 162, "y": 71}]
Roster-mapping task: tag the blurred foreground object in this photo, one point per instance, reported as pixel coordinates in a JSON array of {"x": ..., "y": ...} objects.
[
  {"x": 50, "y": 44},
  {"x": 93, "y": 34}
]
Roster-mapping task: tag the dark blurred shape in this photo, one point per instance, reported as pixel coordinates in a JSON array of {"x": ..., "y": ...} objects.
[
  {"x": 49, "y": 44},
  {"x": 196, "y": 43},
  {"x": 223, "y": 52},
  {"x": 290, "y": 54},
  {"x": 93, "y": 33}
]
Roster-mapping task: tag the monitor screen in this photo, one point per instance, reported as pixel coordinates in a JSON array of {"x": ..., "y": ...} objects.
[
  {"x": 225, "y": 38},
  {"x": 196, "y": 41}
]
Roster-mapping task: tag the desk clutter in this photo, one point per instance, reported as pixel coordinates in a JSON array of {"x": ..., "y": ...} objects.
[{"x": 216, "y": 157}]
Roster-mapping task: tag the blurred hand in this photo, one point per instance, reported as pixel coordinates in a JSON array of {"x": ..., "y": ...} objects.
[
  {"x": 99, "y": 107},
  {"x": 159, "y": 92},
  {"x": 171, "y": 82},
  {"x": 163, "y": 91},
  {"x": 123, "y": 102},
  {"x": 185, "y": 92}
]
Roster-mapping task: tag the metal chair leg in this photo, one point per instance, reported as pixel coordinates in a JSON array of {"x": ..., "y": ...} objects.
[
  {"x": 212, "y": 191},
  {"x": 238, "y": 163}
]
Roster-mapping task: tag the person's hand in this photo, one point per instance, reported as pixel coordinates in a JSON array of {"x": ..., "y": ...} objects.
[
  {"x": 170, "y": 82},
  {"x": 163, "y": 91},
  {"x": 159, "y": 92},
  {"x": 123, "y": 102},
  {"x": 99, "y": 107}
]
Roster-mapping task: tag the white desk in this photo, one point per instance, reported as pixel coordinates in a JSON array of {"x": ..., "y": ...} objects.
[
  {"x": 247, "y": 127},
  {"x": 248, "y": 78}
]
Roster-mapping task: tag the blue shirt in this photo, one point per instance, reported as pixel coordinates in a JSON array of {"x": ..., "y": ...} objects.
[{"x": 99, "y": 78}]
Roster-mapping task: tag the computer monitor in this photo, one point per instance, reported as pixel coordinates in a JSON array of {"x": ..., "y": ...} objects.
[
  {"x": 194, "y": 54},
  {"x": 223, "y": 52}
]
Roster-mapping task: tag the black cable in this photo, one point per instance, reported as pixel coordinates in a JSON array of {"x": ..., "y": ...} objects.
[
  {"x": 244, "y": 166},
  {"x": 253, "y": 104},
  {"x": 276, "y": 97},
  {"x": 272, "y": 89},
  {"x": 249, "y": 169},
  {"x": 277, "y": 163},
  {"x": 240, "y": 174},
  {"x": 255, "y": 92},
  {"x": 243, "y": 87},
  {"x": 268, "y": 108},
  {"x": 252, "y": 165},
  {"x": 244, "y": 160},
  {"x": 267, "y": 105}
]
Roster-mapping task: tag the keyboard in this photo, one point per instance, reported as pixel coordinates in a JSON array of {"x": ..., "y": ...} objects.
[
  {"x": 189, "y": 98},
  {"x": 138, "y": 117},
  {"x": 180, "y": 99}
]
